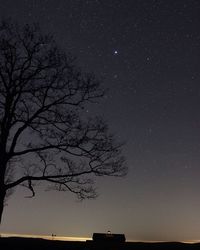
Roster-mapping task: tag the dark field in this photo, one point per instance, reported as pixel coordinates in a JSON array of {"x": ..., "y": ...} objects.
[{"x": 41, "y": 244}]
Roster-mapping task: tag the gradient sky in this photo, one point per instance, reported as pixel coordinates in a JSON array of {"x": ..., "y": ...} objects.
[{"x": 148, "y": 52}]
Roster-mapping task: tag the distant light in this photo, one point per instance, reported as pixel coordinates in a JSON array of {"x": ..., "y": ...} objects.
[{"x": 115, "y": 52}]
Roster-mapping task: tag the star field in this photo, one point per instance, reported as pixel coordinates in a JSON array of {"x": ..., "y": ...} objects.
[{"x": 148, "y": 54}]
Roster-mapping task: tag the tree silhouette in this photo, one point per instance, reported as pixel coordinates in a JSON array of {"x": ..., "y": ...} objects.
[{"x": 44, "y": 135}]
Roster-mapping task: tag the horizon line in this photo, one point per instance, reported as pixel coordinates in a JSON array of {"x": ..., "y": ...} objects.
[
  {"x": 79, "y": 238},
  {"x": 48, "y": 237}
]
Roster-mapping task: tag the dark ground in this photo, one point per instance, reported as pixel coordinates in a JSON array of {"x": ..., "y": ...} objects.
[{"x": 41, "y": 244}]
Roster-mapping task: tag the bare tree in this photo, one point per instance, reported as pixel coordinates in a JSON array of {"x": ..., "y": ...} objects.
[{"x": 44, "y": 135}]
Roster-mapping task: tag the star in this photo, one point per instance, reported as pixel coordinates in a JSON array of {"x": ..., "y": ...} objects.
[{"x": 115, "y": 52}]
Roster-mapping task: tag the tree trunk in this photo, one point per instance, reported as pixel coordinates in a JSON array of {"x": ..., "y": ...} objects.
[
  {"x": 3, "y": 162},
  {"x": 2, "y": 198}
]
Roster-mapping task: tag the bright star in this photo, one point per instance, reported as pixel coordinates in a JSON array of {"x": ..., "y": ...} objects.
[{"x": 115, "y": 52}]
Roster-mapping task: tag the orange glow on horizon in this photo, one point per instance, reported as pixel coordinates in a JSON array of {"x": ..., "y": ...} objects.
[{"x": 48, "y": 237}]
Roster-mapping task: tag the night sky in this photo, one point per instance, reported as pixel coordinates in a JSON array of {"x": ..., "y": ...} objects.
[{"x": 148, "y": 54}]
